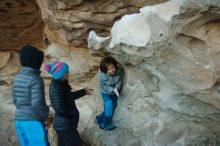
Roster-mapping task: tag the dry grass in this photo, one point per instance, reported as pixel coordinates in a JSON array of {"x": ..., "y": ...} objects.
[{"x": 52, "y": 136}]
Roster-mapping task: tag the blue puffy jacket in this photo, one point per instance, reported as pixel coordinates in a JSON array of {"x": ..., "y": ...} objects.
[{"x": 28, "y": 95}]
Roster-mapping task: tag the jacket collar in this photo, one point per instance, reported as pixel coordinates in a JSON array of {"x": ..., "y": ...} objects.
[
  {"x": 65, "y": 83},
  {"x": 30, "y": 70}
]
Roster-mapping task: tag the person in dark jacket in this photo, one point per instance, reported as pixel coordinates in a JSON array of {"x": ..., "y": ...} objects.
[
  {"x": 63, "y": 102},
  {"x": 110, "y": 83},
  {"x": 28, "y": 96}
]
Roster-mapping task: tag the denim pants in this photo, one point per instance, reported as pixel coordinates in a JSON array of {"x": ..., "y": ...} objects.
[
  {"x": 110, "y": 103},
  {"x": 31, "y": 133}
]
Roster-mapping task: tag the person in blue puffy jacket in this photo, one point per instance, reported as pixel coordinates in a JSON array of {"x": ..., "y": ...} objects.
[{"x": 31, "y": 115}]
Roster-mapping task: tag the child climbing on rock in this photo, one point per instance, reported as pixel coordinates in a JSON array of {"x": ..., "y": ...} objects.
[
  {"x": 110, "y": 82},
  {"x": 63, "y": 102}
]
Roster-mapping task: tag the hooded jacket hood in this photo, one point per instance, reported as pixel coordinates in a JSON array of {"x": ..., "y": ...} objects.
[{"x": 31, "y": 57}]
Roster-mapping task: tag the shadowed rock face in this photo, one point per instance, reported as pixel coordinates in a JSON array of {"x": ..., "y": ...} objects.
[
  {"x": 20, "y": 23},
  {"x": 71, "y": 21}
]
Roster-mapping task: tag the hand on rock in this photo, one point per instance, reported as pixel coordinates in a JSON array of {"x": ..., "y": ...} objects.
[
  {"x": 88, "y": 91},
  {"x": 116, "y": 91}
]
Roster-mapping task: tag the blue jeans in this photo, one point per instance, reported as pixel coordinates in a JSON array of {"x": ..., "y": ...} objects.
[
  {"x": 31, "y": 133},
  {"x": 110, "y": 103}
]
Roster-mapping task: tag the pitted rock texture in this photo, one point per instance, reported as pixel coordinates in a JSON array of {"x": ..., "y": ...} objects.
[
  {"x": 73, "y": 20},
  {"x": 20, "y": 23},
  {"x": 170, "y": 54},
  {"x": 171, "y": 57}
]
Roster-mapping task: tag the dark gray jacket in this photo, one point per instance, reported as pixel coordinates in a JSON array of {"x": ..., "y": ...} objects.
[
  {"x": 108, "y": 82},
  {"x": 28, "y": 95},
  {"x": 63, "y": 103}
]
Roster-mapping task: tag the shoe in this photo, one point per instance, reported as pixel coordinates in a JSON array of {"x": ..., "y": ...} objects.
[
  {"x": 109, "y": 127},
  {"x": 98, "y": 124}
]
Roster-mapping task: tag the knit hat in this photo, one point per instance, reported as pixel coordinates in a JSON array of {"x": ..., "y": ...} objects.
[
  {"x": 31, "y": 57},
  {"x": 57, "y": 69}
]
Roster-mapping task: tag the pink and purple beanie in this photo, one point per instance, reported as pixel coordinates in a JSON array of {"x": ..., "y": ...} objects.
[{"x": 57, "y": 69}]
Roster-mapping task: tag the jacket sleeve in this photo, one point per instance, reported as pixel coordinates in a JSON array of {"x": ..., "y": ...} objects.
[
  {"x": 38, "y": 101},
  {"x": 78, "y": 94},
  {"x": 120, "y": 81},
  {"x": 103, "y": 83}
]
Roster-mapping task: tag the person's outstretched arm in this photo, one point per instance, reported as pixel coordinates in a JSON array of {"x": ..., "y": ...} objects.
[{"x": 78, "y": 94}]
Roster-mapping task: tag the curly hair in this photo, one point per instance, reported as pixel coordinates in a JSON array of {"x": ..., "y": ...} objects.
[{"x": 107, "y": 61}]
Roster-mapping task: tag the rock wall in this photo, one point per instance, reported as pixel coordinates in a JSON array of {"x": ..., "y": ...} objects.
[
  {"x": 69, "y": 22},
  {"x": 170, "y": 53},
  {"x": 171, "y": 57},
  {"x": 9, "y": 65},
  {"x": 20, "y": 23}
]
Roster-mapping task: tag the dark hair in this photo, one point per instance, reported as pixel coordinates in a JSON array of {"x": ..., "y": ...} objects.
[{"x": 107, "y": 61}]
